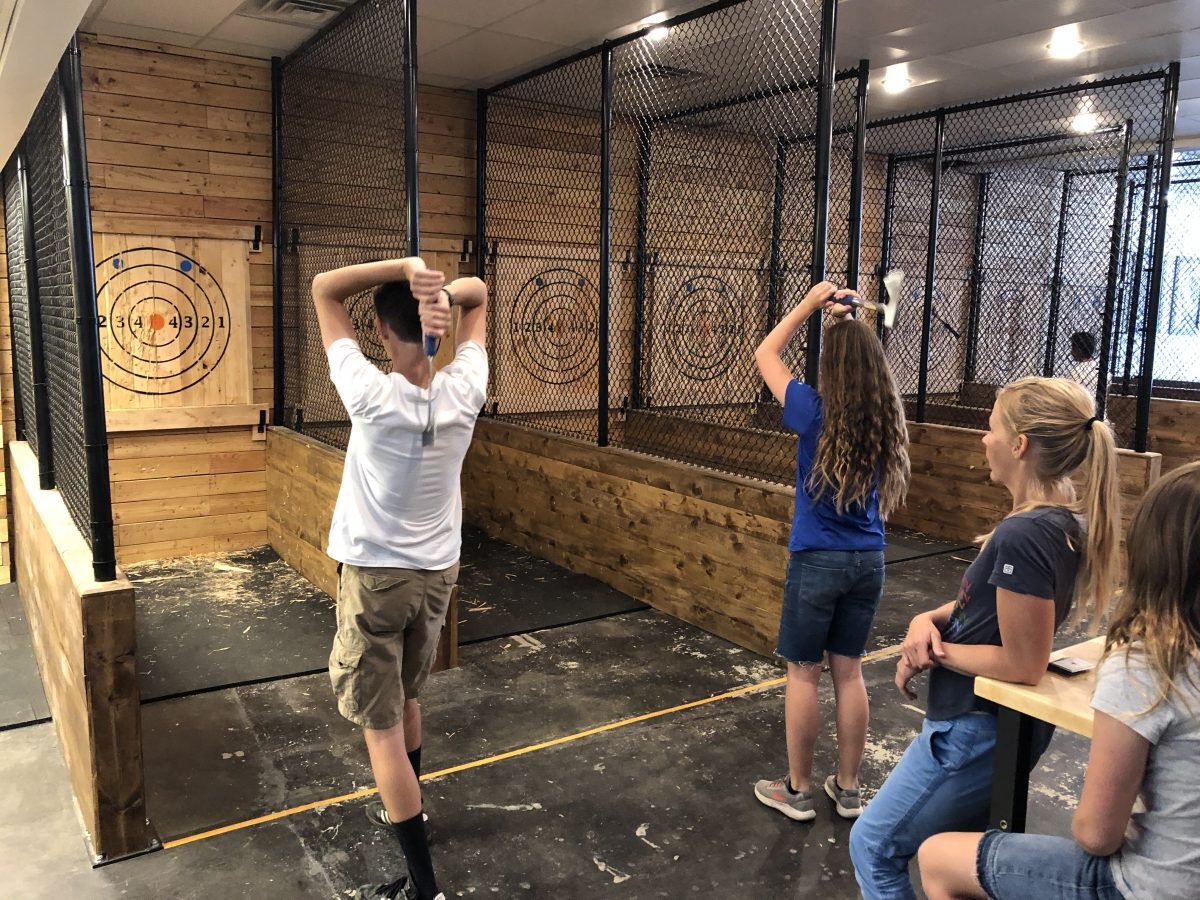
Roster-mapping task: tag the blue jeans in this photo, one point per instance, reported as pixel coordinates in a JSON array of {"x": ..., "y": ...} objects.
[
  {"x": 942, "y": 783},
  {"x": 1024, "y": 866},
  {"x": 829, "y": 603}
]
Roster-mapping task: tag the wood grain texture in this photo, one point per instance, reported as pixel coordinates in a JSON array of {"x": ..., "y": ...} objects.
[
  {"x": 1065, "y": 701},
  {"x": 85, "y": 641}
]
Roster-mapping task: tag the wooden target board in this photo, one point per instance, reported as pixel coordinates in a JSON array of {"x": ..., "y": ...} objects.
[{"x": 174, "y": 330}]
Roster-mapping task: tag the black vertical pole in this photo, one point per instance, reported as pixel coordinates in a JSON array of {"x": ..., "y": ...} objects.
[
  {"x": 278, "y": 382},
  {"x": 644, "y": 134},
  {"x": 885, "y": 241},
  {"x": 1064, "y": 210},
  {"x": 858, "y": 166},
  {"x": 971, "y": 352},
  {"x": 83, "y": 277},
  {"x": 1114, "y": 265},
  {"x": 605, "y": 233},
  {"x": 824, "y": 142},
  {"x": 1138, "y": 268},
  {"x": 1123, "y": 287},
  {"x": 774, "y": 260},
  {"x": 1166, "y": 148},
  {"x": 935, "y": 202},
  {"x": 411, "y": 181},
  {"x": 41, "y": 389},
  {"x": 481, "y": 115}
]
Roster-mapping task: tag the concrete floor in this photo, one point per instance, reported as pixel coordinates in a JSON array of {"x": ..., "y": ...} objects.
[{"x": 655, "y": 808}]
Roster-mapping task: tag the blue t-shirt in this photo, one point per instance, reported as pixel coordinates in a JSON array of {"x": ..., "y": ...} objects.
[
  {"x": 818, "y": 525},
  {"x": 1035, "y": 552}
]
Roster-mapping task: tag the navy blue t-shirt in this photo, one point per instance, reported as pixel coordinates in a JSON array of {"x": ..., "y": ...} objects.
[
  {"x": 1036, "y": 552},
  {"x": 818, "y": 525}
]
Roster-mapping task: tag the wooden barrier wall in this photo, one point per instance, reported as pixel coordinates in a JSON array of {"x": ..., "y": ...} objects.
[
  {"x": 303, "y": 477},
  {"x": 85, "y": 643},
  {"x": 706, "y": 547}
]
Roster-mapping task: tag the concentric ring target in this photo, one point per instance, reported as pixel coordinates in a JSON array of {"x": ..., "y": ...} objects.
[
  {"x": 702, "y": 328},
  {"x": 553, "y": 326},
  {"x": 164, "y": 320}
]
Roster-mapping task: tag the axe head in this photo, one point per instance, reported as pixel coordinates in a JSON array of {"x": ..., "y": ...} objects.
[{"x": 891, "y": 283}]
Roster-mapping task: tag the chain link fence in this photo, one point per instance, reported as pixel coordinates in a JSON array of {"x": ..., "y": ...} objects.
[
  {"x": 55, "y": 333},
  {"x": 343, "y": 179},
  {"x": 1012, "y": 223}
]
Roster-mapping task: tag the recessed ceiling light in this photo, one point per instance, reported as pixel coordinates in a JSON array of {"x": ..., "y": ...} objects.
[
  {"x": 895, "y": 78},
  {"x": 1085, "y": 121},
  {"x": 654, "y": 19},
  {"x": 657, "y": 34},
  {"x": 1065, "y": 42}
]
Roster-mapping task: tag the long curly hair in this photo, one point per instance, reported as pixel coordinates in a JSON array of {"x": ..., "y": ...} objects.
[{"x": 863, "y": 445}]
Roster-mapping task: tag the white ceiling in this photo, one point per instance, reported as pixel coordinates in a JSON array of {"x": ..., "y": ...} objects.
[{"x": 956, "y": 49}]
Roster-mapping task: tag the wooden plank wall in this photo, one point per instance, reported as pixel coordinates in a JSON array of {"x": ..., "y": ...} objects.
[
  {"x": 84, "y": 639},
  {"x": 706, "y": 547},
  {"x": 179, "y": 143},
  {"x": 303, "y": 477}
]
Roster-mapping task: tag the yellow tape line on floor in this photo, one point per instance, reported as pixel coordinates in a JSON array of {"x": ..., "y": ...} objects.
[{"x": 500, "y": 757}]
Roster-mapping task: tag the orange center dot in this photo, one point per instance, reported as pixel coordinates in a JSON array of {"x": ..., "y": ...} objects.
[{"x": 157, "y": 321}]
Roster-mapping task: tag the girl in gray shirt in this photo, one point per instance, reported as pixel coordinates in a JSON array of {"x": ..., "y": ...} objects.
[{"x": 1137, "y": 828}]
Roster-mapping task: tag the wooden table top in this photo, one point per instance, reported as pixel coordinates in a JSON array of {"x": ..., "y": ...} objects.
[{"x": 1065, "y": 701}]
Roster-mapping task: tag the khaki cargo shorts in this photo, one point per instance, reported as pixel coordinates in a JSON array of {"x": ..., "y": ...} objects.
[{"x": 389, "y": 622}]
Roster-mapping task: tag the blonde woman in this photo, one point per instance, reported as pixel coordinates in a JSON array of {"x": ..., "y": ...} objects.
[
  {"x": 852, "y": 470},
  {"x": 1145, "y": 743},
  {"x": 1052, "y": 553}
]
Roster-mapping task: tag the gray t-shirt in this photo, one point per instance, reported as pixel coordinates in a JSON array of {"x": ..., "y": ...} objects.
[{"x": 1161, "y": 854}]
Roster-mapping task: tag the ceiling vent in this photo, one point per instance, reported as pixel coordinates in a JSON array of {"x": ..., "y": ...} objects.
[
  {"x": 305, "y": 13},
  {"x": 662, "y": 73}
]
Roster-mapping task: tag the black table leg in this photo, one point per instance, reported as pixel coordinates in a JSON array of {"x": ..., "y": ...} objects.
[{"x": 1010, "y": 776}]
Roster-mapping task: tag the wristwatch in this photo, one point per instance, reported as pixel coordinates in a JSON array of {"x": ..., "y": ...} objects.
[{"x": 449, "y": 296}]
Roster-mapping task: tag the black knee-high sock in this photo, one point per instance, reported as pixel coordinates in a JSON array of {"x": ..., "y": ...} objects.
[
  {"x": 414, "y": 757},
  {"x": 415, "y": 843}
]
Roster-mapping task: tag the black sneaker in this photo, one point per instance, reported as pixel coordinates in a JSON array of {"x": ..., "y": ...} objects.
[
  {"x": 377, "y": 815},
  {"x": 400, "y": 889}
]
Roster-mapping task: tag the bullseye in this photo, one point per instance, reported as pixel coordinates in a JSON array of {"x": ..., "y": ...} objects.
[{"x": 157, "y": 321}]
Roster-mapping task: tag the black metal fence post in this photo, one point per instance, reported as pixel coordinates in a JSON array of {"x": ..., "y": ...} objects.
[
  {"x": 1064, "y": 211},
  {"x": 935, "y": 202},
  {"x": 481, "y": 117},
  {"x": 605, "y": 236},
  {"x": 41, "y": 388},
  {"x": 1123, "y": 286},
  {"x": 83, "y": 275},
  {"x": 971, "y": 350},
  {"x": 1138, "y": 270},
  {"x": 858, "y": 169},
  {"x": 885, "y": 240},
  {"x": 1166, "y": 148},
  {"x": 411, "y": 181},
  {"x": 823, "y": 145},
  {"x": 644, "y": 135},
  {"x": 278, "y": 383},
  {"x": 1114, "y": 267}
]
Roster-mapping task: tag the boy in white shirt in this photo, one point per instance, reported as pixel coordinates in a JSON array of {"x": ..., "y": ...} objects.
[{"x": 397, "y": 525}]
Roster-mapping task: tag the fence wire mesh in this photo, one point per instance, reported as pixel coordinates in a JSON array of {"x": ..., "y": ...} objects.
[
  {"x": 1023, "y": 258},
  {"x": 342, "y": 191},
  {"x": 1177, "y": 353},
  {"x": 19, "y": 306},
  {"x": 56, "y": 299}
]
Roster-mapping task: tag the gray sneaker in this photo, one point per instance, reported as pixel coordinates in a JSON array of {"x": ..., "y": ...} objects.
[
  {"x": 775, "y": 794},
  {"x": 847, "y": 800}
]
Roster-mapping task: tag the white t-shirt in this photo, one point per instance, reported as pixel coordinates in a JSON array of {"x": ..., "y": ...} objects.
[
  {"x": 1086, "y": 373},
  {"x": 1161, "y": 854},
  {"x": 399, "y": 505}
]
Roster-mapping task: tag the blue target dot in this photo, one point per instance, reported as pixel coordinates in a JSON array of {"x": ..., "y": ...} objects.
[
  {"x": 538, "y": 282},
  {"x": 582, "y": 282},
  {"x": 185, "y": 266},
  {"x": 116, "y": 264},
  {"x": 688, "y": 288}
]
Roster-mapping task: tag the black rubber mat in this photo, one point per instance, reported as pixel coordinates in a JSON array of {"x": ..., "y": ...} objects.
[
  {"x": 22, "y": 699},
  {"x": 506, "y": 591}
]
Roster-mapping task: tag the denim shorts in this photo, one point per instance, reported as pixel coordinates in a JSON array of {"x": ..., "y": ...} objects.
[
  {"x": 829, "y": 603},
  {"x": 1022, "y": 866}
]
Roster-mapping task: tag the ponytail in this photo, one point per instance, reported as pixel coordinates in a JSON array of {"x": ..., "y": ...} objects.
[{"x": 1069, "y": 443}]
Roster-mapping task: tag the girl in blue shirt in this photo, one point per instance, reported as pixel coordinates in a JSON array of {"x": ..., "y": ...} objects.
[{"x": 852, "y": 470}]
